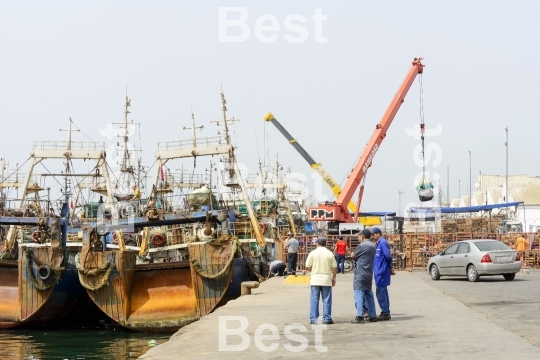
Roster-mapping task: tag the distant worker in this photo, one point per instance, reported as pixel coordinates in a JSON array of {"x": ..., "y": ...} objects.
[
  {"x": 521, "y": 244},
  {"x": 221, "y": 202},
  {"x": 363, "y": 278},
  {"x": 382, "y": 270},
  {"x": 292, "y": 246},
  {"x": 232, "y": 218},
  {"x": 277, "y": 267},
  {"x": 136, "y": 193},
  {"x": 340, "y": 250},
  {"x": 322, "y": 265}
]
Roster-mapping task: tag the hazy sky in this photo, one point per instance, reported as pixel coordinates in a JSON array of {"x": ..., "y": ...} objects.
[{"x": 64, "y": 59}]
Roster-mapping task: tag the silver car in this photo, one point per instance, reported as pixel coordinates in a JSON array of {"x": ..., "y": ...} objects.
[{"x": 475, "y": 258}]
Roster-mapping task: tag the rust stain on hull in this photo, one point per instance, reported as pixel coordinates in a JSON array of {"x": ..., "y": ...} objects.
[{"x": 163, "y": 299}]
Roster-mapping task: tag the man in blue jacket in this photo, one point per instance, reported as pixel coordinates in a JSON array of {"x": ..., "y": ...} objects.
[{"x": 382, "y": 270}]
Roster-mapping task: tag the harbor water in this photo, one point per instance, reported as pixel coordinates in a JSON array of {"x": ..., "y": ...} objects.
[{"x": 77, "y": 344}]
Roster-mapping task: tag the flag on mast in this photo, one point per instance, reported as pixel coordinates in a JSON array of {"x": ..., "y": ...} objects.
[{"x": 162, "y": 173}]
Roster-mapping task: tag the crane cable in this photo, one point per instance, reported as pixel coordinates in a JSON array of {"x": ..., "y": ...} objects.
[{"x": 422, "y": 129}]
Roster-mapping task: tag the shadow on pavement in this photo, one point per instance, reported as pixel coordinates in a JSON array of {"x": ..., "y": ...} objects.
[
  {"x": 395, "y": 317},
  {"x": 482, "y": 279}
]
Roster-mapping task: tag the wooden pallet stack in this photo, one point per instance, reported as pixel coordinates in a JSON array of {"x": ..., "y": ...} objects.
[
  {"x": 448, "y": 226},
  {"x": 531, "y": 259},
  {"x": 472, "y": 224}
]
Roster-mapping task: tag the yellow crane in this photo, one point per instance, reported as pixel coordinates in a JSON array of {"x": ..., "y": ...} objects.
[{"x": 317, "y": 167}]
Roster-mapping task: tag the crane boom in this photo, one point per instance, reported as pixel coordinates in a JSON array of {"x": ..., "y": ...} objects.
[
  {"x": 336, "y": 211},
  {"x": 317, "y": 167}
]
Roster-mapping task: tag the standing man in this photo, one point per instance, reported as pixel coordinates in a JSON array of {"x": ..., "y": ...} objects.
[
  {"x": 340, "y": 249},
  {"x": 521, "y": 244},
  {"x": 382, "y": 271},
  {"x": 136, "y": 192},
  {"x": 363, "y": 278},
  {"x": 292, "y": 246},
  {"x": 322, "y": 265}
]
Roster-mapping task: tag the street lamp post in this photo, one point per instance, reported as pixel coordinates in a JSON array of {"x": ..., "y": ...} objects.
[
  {"x": 506, "y": 144},
  {"x": 447, "y": 185},
  {"x": 470, "y": 179}
]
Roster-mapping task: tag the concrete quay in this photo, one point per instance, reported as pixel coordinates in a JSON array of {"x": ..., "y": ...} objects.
[{"x": 426, "y": 323}]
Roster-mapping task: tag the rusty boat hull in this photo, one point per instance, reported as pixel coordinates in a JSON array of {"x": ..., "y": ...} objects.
[
  {"x": 30, "y": 301},
  {"x": 163, "y": 296}
]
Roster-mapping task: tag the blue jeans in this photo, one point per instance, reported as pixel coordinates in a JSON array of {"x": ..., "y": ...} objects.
[
  {"x": 359, "y": 297},
  {"x": 292, "y": 259},
  {"x": 383, "y": 299},
  {"x": 340, "y": 259},
  {"x": 326, "y": 293}
]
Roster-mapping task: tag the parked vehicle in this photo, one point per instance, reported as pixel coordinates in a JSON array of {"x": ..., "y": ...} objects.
[{"x": 475, "y": 258}]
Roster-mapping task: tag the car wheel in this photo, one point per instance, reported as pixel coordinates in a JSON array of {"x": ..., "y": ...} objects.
[
  {"x": 472, "y": 274},
  {"x": 434, "y": 272},
  {"x": 509, "y": 277}
]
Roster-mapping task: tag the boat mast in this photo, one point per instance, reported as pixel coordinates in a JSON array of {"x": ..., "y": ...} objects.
[
  {"x": 67, "y": 182},
  {"x": 193, "y": 128},
  {"x": 232, "y": 165},
  {"x": 127, "y": 168},
  {"x": 125, "y": 156}
]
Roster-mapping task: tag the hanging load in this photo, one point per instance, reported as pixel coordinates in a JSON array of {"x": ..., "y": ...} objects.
[{"x": 424, "y": 188}]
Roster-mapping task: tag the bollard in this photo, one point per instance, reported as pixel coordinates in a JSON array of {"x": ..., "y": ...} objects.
[{"x": 246, "y": 287}]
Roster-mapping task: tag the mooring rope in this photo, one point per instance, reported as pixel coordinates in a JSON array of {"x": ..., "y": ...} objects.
[
  {"x": 198, "y": 268},
  {"x": 56, "y": 270},
  {"x": 93, "y": 272}
]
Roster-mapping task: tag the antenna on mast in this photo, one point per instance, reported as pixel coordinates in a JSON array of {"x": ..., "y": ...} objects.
[
  {"x": 125, "y": 156},
  {"x": 68, "y": 147},
  {"x": 225, "y": 120},
  {"x": 192, "y": 128}
]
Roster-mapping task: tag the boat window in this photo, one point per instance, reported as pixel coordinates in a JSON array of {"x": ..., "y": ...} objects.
[
  {"x": 451, "y": 250},
  {"x": 491, "y": 245},
  {"x": 464, "y": 248}
]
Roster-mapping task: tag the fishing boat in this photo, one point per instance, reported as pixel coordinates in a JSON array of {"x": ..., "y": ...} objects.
[
  {"x": 188, "y": 262},
  {"x": 38, "y": 277}
]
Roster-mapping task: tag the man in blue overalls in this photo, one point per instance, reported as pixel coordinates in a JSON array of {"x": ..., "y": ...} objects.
[{"x": 382, "y": 270}]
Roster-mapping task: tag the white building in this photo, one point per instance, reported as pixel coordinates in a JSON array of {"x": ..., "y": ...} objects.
[{"x": 491, "y": 189}]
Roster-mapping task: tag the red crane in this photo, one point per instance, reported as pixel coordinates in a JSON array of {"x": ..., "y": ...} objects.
[{"x": 337, "y": 211}]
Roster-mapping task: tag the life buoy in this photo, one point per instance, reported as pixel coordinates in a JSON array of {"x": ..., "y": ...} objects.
[
  {"x": 36, "y": 237},
  {"x": 114, "y": 238},
  {"x": 158, "y": 240},
  {"x": 263, "y": 228},
  {"x": 44, "y": 272}
]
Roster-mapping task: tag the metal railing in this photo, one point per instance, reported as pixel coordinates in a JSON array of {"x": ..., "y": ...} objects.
[
  {"x": 62, "y": 145},
  {"x": 188, "y": 144}
]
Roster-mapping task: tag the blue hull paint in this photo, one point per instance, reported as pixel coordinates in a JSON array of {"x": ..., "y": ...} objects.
[{"x": 240, "y": 274}]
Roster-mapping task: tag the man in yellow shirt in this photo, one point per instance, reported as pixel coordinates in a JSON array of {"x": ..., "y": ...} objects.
[
  {"x": 323, "y": 267},
  {"x": 521, "y": 243},
  {"x": 136, "y": 193}
]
